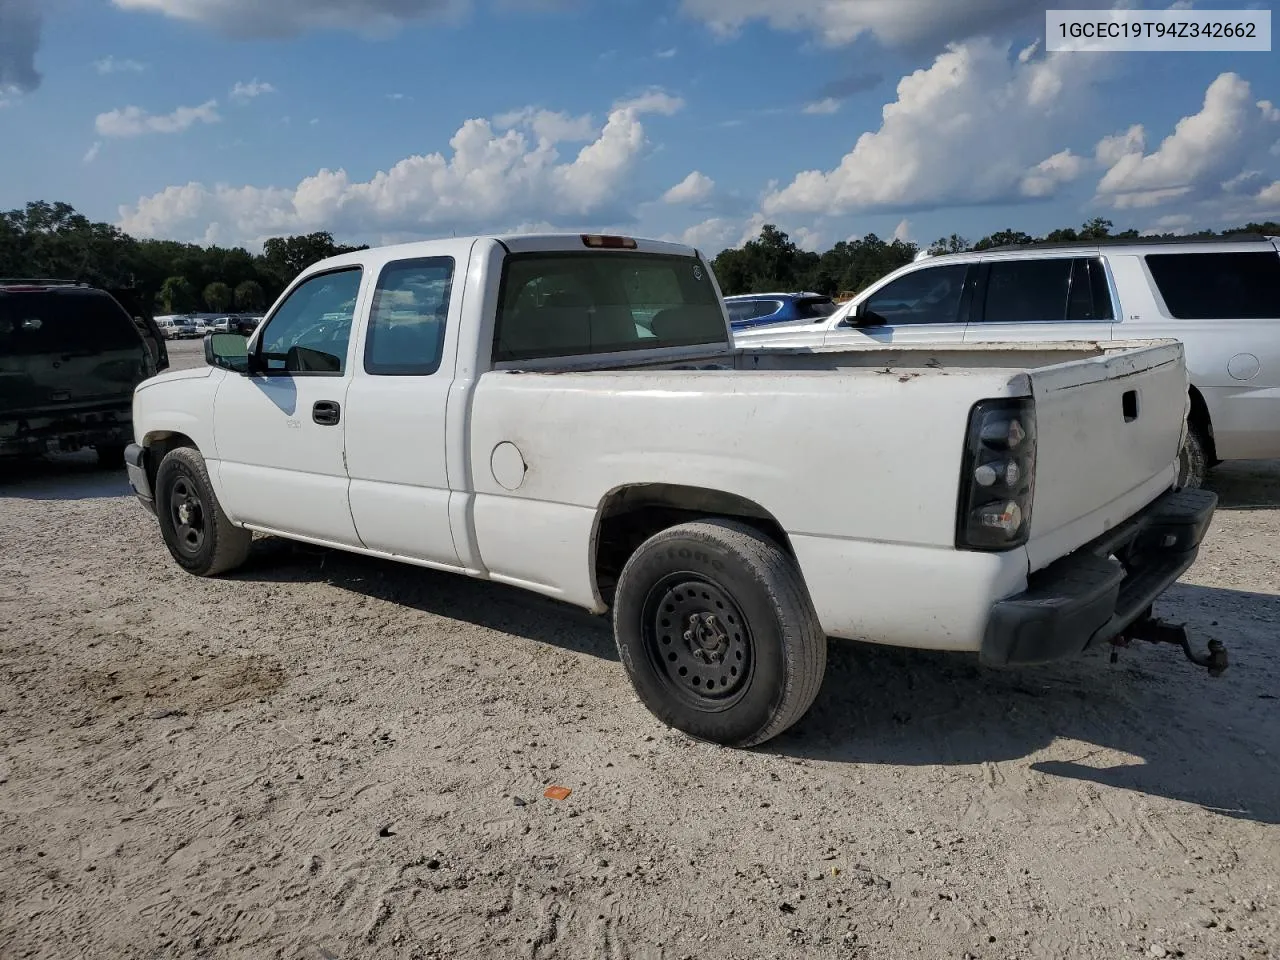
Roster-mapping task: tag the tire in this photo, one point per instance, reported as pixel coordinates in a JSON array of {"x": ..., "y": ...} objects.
[
  {"x": 1193, "y": 459},
  {"x": 110, "y": 455},
  {"x": 196, "y": 531},
  {"x": 751, "y": 657}
]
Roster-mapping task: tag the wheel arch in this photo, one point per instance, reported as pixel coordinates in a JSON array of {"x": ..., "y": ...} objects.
[
  {"x": 157, "y": 444},
  {"x": 1198, "y": 416},
  {"x": 629, "y": 515}
]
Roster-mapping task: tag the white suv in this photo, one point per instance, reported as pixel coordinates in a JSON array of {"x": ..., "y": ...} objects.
[{"x": 1221, "y": 298}]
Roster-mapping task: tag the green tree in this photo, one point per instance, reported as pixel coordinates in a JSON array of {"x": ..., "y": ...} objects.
[
  {"x": 286, "y": 257},
  {"x": 952, "y": 244},
  {"x": 218, "y": 297},
  {"x": 177, "y": 295},
  {"x": 1005, "y": 238},
  {"x": 249, "y": 296}
]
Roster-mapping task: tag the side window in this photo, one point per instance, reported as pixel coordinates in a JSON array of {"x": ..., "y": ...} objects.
[
  {"x": 1211, "y": 286},
  {"x": 1089, "y": 297},
  {"x": 311, "y": 330},
  {"x": 766, "y": 308},
  {"x": 407, "y": 320},
  {"x": 1027, "y": 291},
  {"x": 741, "y": 310},
  {"x": 931, "y": 295}
]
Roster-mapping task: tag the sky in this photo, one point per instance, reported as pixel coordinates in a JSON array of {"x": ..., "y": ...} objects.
[{"x": 231, "y": 121}]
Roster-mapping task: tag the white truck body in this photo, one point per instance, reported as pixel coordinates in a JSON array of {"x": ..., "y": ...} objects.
[
  {"x": 1220, "y": 299},
  {"x": 547, "y": 472}
]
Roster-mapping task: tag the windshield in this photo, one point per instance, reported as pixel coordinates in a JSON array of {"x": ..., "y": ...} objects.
[
  {"x": 48, "y": 322},
  {"x": 575, "y": 304}
]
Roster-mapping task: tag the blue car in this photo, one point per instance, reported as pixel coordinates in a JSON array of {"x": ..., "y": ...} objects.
[{"x": 758, "y": 309}]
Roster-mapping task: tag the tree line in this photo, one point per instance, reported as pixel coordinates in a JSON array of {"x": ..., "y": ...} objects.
[
  {"x": 53, "y": 241},
  {"x": 773, "y": 263}
]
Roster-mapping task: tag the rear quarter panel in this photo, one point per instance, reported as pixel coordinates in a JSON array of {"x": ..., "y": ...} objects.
[{"x": 866, "y": 457}]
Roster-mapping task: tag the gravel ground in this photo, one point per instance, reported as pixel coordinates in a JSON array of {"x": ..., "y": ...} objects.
[{"x": 328, "y": 756}]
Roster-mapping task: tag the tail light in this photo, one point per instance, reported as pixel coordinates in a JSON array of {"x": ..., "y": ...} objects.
[
  {"x": 997, "y": 482},
  {"x": 604, "y": 242}
]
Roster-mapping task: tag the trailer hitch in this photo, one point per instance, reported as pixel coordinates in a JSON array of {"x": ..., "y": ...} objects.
[{"x": 1154, "y": 630}]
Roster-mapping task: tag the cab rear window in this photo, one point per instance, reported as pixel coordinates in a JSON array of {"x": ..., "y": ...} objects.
[
  {"x": 578, "y": 304},
  {"x": 79, "y": 323}
]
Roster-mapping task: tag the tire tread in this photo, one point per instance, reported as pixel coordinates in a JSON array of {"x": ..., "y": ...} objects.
[{"x": 805, "y": 652}]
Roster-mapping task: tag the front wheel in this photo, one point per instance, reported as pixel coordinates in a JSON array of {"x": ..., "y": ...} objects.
[
  {"x": 196, "y": 531},
  {"x": 717, "y": 632}
]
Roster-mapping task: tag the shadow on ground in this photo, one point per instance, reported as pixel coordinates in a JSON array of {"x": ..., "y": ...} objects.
[
  {"x": 1202, "y": 740},
  {"x": 1196, "y": 739},
  {"x": 494, "y": 606},
  {"x": 1246, "y": 484},
  {"x": 76, "y": 476}
]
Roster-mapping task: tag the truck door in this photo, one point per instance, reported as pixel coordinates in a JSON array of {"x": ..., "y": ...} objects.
[
  {"x": 280, "y": 429},
  {"x": 396, "y": 451}
]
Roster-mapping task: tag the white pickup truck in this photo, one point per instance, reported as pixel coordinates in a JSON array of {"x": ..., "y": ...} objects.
[{"x": 567, "y": 414}]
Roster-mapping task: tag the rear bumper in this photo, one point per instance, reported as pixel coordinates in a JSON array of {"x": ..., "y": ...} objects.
[
  {"x": 1092, "y": 595},
  {"x": 65, "y": 431},
  {"x": 135, "y": 463}
]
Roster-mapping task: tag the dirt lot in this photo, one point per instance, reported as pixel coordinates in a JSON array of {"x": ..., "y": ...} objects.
[{"x": 325, "y": 756}]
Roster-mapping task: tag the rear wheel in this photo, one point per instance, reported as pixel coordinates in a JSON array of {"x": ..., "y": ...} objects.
[
  {"x": 717, "y": 632},
  {"x": 1193, "y": 460},
  {"x": 196, "y": 531}
]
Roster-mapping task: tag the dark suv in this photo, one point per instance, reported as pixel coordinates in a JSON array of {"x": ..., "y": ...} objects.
[{"x": 70, "y": 356}]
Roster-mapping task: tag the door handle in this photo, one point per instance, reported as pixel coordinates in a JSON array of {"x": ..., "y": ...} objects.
[{"x": 326, "y": 413}]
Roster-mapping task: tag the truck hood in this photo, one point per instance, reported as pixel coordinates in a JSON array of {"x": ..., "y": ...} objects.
[{"x": 170, "y": 376}]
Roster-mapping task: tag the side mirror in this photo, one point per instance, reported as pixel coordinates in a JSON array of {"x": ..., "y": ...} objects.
[
  {"x": 227, "y": 350},
  {"x": 855, "y": 317}
]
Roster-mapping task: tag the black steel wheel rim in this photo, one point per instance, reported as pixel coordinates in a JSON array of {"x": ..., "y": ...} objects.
[
  {"x": 698, "y": 641},
  {"x": 186, "y": 510}
]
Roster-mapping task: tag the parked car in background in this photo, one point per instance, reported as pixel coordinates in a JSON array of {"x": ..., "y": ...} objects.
[
  {"x": 245, "y": 325},
  {"x": 511, "y": 408},
  {"x": 1220, "y": 297},
  {"x": 747, "y": 311},
  {"x": 70, "y": 356}
]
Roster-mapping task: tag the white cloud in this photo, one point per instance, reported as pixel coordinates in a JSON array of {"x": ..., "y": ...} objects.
[
  {"x": 20, "y": 25},
  {"x": 489, "y": 180},
  {"x": 1270, "y": 111},
  {"x": 1111, "y": 150},
  {"x": 244, "y": 92},
  {"x": 396, "y": 96},
  {"x": 902, "y": 231},
  {"x": 1026, "y": 53},
  {"x": 666, "y": 54},
  {"x": 827, "y": 105},
  {"x": 108, "y": 65},
  {"x": 1205, "y": 150},
  {"x": 894, "y": 22},
  {"x": 969, "y": 128},
  {"x": 694, "y": 189},
  {"x": 653, "y": 101},
  {"x": 549, "y": 125},
  {"x": 135, "y": 122},
  {"x": 92, "y": 153},
  {"x": 1270, "y": 195},
  {"x": 285, "y": 18},
  {"x": 1046, "y": 176},
  {"x": 711, "y": 236}
]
